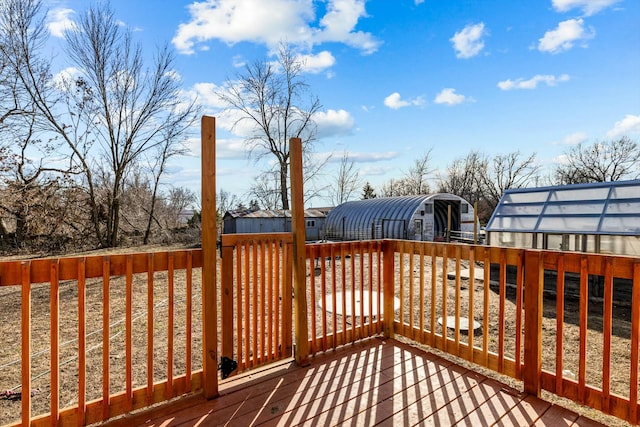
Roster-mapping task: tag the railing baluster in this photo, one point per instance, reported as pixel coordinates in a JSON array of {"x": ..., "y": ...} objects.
[
  {"x": 421, "y": 294},
  {"x": 129, "y": 331},
  {"x": 411, "y": 290},
  {"x": 106, "y": 361},
  {"x": 584, "y": 314},
  {"x": 445, "y": 296},
  {"x": 560, "y": 324},
  {"x": 170, "y": 322},
  {"x": 240, "y": 297},
  {"x": 607, "y": 314},
  {"x": 54, "y": 300},
  {"x": 271, "y": 273},
  {"x": 485, "y": 307},
  {"x": 434, "y": 271},
  {"x": 635, "y": 343},
  {"x": 82, "y": 341},
  {"x": 263, "y": 301},
  {"x": 343, "y": 290},
  {"x": 501, "y": 312},
  {"x": 189, "y": 336},
  {"x": 519, "y": 287},
  {"x": 457, "y": 307},
  {"x": 278, "y": 251},
  {"x": 25, "y": 273},
  {"x": 150, "y": 325},
  {"x": 472, "y": 290},
  {"x": 254, "y": 303}
]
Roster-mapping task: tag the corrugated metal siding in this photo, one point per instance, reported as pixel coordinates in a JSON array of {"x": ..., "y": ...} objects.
[
  {"x": 387, "y": 217},
  {"x": 363, "y": 219}
]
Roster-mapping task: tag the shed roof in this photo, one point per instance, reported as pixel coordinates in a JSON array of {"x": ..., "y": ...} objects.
[
  {"x": 359, "y": 214},
  {"x": 273, "y": 213},
  {"x": 598, "y": 208}
]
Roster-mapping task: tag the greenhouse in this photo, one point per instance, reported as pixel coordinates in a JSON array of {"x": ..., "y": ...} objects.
[
  {"x": 424, "y": 217},
  {"x": 596, "y": 217}
]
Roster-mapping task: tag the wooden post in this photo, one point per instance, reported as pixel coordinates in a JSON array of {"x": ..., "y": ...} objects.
[
  {"x": 533, "y": 286},
  {"x": 475, "y": 224},
  {"x": 299, "y": 257},
  {"x": 448, "y": 236},
  {"x": 388, "y": 271},
  {"x": 209, "y": 301}
]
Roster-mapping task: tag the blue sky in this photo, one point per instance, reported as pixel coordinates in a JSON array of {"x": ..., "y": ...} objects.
[{"x": 397, "y": 78}]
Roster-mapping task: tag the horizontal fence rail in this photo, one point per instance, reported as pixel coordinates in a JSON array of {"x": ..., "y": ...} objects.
[{"x": 99, "y": 336}]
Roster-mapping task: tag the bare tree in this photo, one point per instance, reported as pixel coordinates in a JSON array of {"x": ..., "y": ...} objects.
[
  {"x": 346, "y": 181},
  {"x": 273, "y": 100},
  {"x": 508, "y": 171},
  {"x": 115, "y": 111},
  {"x": 416, "y": 177},
  {"x": 465, "y": 177},
  {"x": 602, "y": 161}
]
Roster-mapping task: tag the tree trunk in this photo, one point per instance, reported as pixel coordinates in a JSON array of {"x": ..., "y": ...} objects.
[{"x": 284, "y": 177}]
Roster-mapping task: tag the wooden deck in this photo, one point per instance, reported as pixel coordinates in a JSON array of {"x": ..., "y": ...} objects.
[{"x": 374, "y": 382}]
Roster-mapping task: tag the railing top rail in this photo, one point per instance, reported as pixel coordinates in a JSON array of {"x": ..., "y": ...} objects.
[
  {"x": 236, "y": 238},
  {"x": 10, "y": 271}
]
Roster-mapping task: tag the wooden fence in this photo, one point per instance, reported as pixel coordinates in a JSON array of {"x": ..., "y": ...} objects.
[
  {"x": 127, "y": 294},
  {"x": 505, "y": 309}
]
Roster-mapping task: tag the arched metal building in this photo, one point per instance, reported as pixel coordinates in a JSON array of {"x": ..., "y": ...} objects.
[{"x": 422, "y": 217}]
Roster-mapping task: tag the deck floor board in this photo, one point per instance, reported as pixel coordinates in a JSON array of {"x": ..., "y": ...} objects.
[{"x": 372, "y": 383}]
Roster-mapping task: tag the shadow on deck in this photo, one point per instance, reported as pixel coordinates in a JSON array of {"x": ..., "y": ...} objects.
[{"x": 373, "y": 382}]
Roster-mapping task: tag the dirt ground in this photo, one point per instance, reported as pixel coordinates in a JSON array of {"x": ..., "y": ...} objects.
[{"x": 11, "y": 345}]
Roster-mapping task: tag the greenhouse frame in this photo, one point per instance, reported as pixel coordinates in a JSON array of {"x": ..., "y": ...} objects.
[{"x": 596, "y": 217}]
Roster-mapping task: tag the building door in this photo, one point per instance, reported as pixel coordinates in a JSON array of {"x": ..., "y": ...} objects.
[{"x": 417, "y": 229}]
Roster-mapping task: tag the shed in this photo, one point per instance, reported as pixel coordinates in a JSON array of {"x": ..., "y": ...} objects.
[
  {"x": 273, "y": 221},
  {"x": 597, "y": 217},
  {"x": 423, "y": 217}
]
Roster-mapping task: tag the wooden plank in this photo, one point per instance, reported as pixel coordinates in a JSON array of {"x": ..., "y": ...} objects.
[
  {"x": 519, "y": 290},
  {"x": 456, "y": 334},
  {"x": 434, "y": 271},
  {"x": 129, "y": 331},
  {"x": 270, "y": 312},
  {"x": 261, "y": 268},
  {"x": 534, "y": 283},
  {"x": 607, "y": 324},
  {"x": 501, "y": 311},
  {"x": 635, "y": 343},
  {"x": 170, "y": 323},
  {"x": 445, "y": 295},
  {"x": 106, "y": 337},
  {"x": 54, "y": 315},
  {"x": 25, "y": 269},
  {"x": 82, "y": 342},
  {"x": 226, "y": 301},
  {"x": 560, "y": 325},
  {"x": 525, "y": 413},
  {"x": 299, "y": 262},
  {"x": 472, "y": 291},
  {"x": 556, "y": 416},
  {"x": 150, "y": 323},
  {"x": 188, "y": 323},
  {"x": 584, "y": 313},
  {"x": 241, "y": 238},
  {"x": 209, "y": 237},
  {"x": 388, "y": 250}
]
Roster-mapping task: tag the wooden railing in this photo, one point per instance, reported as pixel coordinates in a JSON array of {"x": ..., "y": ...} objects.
[
  {"x": 99, "y": 336},
  {"x": 127, "y": 323},
  {"x": 256, "y": 299},
  {"x": 546, "y": 318},
  {"x": 344, "y": 293}
]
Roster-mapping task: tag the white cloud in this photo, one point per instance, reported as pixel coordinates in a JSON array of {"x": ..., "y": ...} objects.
[
  {"x": 64, "y": 77},
  {"x": 589, "y": 7},
  {"x": 317, "y": 63},
  {"x": 565, "y": 36},
  {"x": 417, "y": 2},
  {"x": 394, "y": 101},
  {"x": 468, "y": 41},
  {"x": 207, "y": 96},
  {"x": 59, "y": 21},
  {"x": 629, "y": 125},
  {"x": 366, "y": 157},
  {"x": 333, "y": 122},
  {"x": 533, "y": 82},
  {"x": 573, "y": 139},
  {"x": 270, "y": 21},
  {"x": 450, "y": 97}
]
